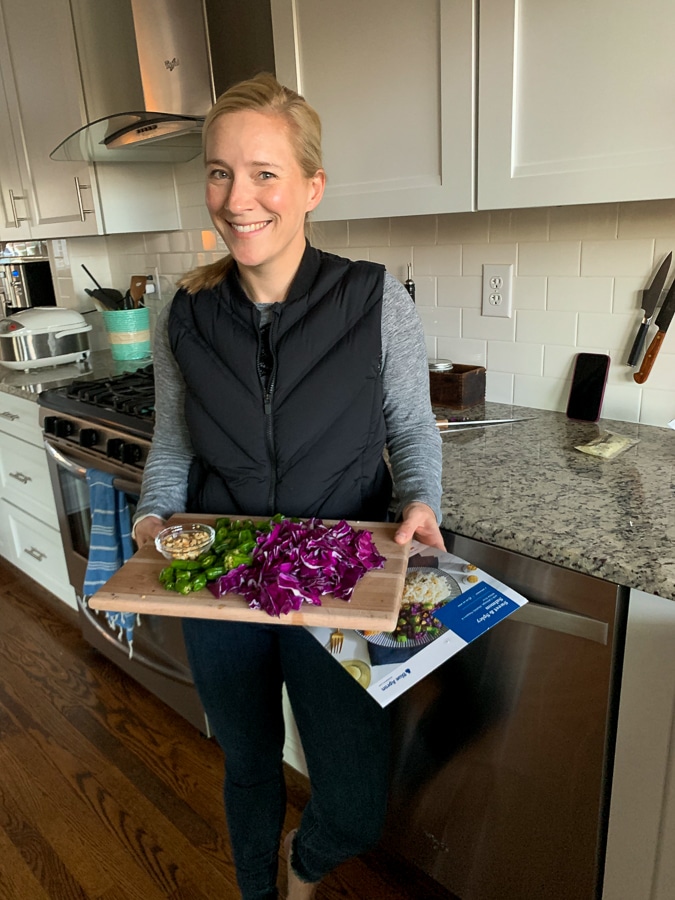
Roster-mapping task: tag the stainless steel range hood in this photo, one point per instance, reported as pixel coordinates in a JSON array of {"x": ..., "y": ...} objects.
[{"x": 152, "y": 68}]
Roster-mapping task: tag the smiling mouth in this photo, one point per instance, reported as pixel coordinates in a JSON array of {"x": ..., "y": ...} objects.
[{"x": 248, "y": 229}]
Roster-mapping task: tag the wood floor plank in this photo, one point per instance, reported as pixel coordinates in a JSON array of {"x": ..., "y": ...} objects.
[{"x": 138, "y": 789}]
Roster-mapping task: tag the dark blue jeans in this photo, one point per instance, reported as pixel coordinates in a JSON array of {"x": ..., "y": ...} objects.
[{"x": 239, "y": 670}]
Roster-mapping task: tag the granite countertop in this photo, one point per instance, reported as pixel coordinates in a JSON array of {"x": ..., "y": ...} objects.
[
  {"x": 99, "y": 365},
  {"x": 524, "y": 487}
]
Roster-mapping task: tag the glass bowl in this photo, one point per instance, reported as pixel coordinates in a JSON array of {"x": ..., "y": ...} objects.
[{"x": 184, "y": 541}]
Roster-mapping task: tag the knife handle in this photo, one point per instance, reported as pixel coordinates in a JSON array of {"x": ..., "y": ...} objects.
[
  {"x": 650, "y": 356},
  {"x": 638, "y": 344}
]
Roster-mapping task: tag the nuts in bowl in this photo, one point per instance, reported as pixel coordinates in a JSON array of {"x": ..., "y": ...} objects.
[{"x": 184, "y": 541}]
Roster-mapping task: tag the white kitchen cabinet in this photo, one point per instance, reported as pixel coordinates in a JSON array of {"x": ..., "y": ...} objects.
[
  {"x": 393, "y": 82},
  {"x": 641, "y": 832},
  {"x": 575, "y": 102},
  {"x": 29, "y": 531},
  {"x": 44, "y": 103}
]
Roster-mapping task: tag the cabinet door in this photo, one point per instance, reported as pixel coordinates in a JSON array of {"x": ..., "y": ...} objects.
[
  {"x": 393, "y": 82},
  {"x": 42, "y": 61},
  {"x": 575, "y": 102},
  {"x": 14, "y": 204}
]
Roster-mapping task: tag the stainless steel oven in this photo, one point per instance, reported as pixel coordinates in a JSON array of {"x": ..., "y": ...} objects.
[{"x": 82, "y": 434}]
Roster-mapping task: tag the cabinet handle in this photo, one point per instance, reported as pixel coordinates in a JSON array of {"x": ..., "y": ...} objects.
[
  {"x": 24, "y": 479},
  {"x": 12, "y": 200},
  {"x": 12, "y": 417},
  {"x": 78, "y": 190},
  {"x": 35, "y": 553}
]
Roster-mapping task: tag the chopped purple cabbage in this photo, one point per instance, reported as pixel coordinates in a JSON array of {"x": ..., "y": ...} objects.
[{"x": 301, "y": 562}]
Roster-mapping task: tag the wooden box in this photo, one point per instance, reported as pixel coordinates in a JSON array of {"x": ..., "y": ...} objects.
[{"x": 460, "y": 388}]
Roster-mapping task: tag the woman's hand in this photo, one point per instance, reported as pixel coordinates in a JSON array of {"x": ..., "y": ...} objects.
[
  {"x": 147, "y": 529},
  {"x": 419, "y": 521}
]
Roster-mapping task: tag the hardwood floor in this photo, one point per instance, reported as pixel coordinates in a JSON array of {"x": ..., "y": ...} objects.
[{"x": 106, "y": 793}]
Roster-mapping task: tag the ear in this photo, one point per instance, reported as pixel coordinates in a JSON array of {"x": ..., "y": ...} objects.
[{"x": 316, "y": 188}]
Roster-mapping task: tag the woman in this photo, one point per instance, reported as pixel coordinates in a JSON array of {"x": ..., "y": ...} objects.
[{"x": 282, "y": 373}]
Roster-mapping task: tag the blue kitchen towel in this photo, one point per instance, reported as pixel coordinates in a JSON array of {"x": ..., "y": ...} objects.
[{"x": 110, "y": 545}]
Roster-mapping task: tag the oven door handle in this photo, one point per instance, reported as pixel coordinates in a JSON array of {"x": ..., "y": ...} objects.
[{"x": 78, "y": 471}]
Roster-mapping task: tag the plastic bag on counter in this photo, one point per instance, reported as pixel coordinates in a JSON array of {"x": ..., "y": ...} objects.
[{"x": 608, "y": 444}]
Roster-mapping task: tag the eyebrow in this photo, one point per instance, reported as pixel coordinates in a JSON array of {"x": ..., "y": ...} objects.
[{"x": 254, "y": 162}]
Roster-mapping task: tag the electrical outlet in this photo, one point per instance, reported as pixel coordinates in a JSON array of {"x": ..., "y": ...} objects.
[{"x": 498, "y": 291}]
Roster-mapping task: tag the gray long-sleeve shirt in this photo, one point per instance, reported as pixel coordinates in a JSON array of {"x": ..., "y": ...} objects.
[{"x": 413, "y": 441}]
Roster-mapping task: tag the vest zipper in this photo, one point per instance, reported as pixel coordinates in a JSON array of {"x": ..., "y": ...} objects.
[{"x": 267, "y": 366}]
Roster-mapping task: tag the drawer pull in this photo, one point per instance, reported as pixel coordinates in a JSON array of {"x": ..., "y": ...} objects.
[
  {"x": 36, "y": 554},
  {"x": 24, "y": 479},
  {"x": 12, "y": 417}
]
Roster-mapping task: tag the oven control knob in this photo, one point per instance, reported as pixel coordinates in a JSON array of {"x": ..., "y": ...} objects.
[
  {"x": 63, "y": 428},
  {"x": 88, "y": 437},
  {"x": 49, "y": 424},
  {"x": 114, "y": 448},
  {"x": 131, "y": 454}
]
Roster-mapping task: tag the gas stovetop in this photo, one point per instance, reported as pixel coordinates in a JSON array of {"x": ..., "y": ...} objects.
[{"x": 125, "y": 402}]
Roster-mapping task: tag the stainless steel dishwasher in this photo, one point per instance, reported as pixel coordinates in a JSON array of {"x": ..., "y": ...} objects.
[{"x": 503, "y": 756}]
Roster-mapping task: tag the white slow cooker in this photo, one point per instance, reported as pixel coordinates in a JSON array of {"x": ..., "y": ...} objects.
[{"x": 43, "y": 336}]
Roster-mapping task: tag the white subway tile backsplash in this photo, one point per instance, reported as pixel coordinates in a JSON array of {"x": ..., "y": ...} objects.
[
  {"x": 540, "y": 392},
  {"x": 534, "y": 326},
  {"x": 597, "y": 221},
  {"x": 649, "y": 218},
  {"x": 409, "y": 230},
  {"x": 499, "y": 388},
  {"x": 627, "y": 296},
  {"x": 578, "y": 276},
  {"x": 617, "y": 258},
  {"x": 440, "y": 322},
  {"x": 425, "y": 290},
  {"x": 610, "y": 330},
  {"x": 439, "y": 260},
  {"x": 529, "y": 293},
  {"x": 657, "y": 408},
  {"x": 475, "y": 256},
  {"x": 621, "y": 402},
  {"x": 463, "y": 351},
  {"x": 463, "y": 228},
  {"x": 464, "y": 292},
  {"x": 487, "y": 328},
  {"x": 521, "y": 359},
  {"x": 580, "y": 294},
  {"x": 549, "y": 258},
  {"x": 369, "y": 233},
  {"x": 509, "y": 225},
  {"x": 394, "y": 259}
]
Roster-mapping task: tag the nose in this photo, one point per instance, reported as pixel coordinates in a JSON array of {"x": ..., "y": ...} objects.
[{"x": 239, "y": 196}]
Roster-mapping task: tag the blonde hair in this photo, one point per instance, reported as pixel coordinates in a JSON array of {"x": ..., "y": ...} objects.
[{"x": 265, "y": 94}]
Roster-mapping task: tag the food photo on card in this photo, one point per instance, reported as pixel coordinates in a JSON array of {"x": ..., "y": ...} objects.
[{"x": 447, "y": 603}]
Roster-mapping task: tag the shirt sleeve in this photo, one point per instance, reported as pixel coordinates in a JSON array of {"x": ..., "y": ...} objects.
[
  {"x": 165, "y": 476},
  {"x": 413, "y": 440}
]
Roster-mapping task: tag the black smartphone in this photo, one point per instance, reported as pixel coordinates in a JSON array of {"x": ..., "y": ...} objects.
[{"x": 588, "y": 387}]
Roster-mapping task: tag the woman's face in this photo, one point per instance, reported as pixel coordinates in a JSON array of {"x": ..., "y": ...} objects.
[{"x": 256, "y": 192}]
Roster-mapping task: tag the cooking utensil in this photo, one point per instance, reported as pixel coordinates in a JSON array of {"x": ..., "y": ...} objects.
[
  {"x": 650, "y": 300},
  {"x": 137, "y": 289},
  {"x": 451, "y": 427},
  {"x": 108, "y": 297},
  {"x": 662, "y": 322},
  {"x": 335, "y": 642}
]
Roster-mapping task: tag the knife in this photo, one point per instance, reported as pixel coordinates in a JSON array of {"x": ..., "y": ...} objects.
[
  {"x": 451, "y": 427},
  {"x": 662, "y": 322},
  {"x": 650, "y": 299}
]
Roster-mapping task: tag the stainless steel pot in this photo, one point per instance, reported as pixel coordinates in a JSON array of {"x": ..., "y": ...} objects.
[{"x": 43, "y": 336}]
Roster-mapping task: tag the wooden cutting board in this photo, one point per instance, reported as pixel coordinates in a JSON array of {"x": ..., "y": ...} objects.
[{"x": 373, "y": 606}]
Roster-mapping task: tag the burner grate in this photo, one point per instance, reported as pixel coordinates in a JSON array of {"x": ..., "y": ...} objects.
[{"x": 132, "y": 393}]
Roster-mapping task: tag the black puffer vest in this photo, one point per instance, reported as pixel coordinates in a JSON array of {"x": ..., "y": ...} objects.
[{"x": 287, "y": 418}]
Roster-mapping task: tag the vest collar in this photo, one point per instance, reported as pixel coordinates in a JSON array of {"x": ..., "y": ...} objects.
[{"x": 301, "y": 285}]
